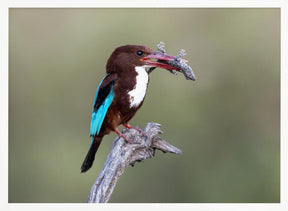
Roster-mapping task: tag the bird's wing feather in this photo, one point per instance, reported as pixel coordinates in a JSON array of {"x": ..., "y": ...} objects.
[{"x": 103, "y": 99}]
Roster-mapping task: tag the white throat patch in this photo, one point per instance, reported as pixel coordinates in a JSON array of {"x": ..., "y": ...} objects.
[{"x": 137, "y": 94}]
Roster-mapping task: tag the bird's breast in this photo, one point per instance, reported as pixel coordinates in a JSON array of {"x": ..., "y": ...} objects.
[{"x": 137, "y": 94}]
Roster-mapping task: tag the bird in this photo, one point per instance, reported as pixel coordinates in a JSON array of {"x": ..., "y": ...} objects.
[{"x": 121, "y": 93}]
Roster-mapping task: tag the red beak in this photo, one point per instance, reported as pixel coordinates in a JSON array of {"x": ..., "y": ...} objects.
[{"x": 160, "y": 56}]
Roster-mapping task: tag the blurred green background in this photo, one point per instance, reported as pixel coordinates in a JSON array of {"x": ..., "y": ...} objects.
[{"x": 227, "y": 123}]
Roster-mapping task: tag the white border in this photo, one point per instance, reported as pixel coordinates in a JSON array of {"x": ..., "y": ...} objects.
[
  {"x": 5, "y": 5},
  {"x": 146, "y": 3}
]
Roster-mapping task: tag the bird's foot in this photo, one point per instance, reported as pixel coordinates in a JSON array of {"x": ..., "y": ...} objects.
[
  {"x": 123, "y": 136},
  {"x": 136, "y": 128},
  {"x": 140, "y": 131}
]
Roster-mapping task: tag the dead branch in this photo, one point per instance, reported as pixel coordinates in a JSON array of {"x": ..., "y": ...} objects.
[{"x": 123, "y": 154}]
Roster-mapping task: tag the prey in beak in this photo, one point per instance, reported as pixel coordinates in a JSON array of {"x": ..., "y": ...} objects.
[
  {"x": 157, "y": 59},
  {"x": 171, "y": 63}
]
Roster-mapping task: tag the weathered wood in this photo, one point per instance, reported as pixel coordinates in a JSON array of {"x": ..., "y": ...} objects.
[{"x": 123, "y": 154}]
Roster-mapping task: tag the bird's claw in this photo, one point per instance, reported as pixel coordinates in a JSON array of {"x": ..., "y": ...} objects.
[
  {"x": 123, "y": 136},
  {"x": 136, "y": 128},
  {"x": 140, "y": 131}
]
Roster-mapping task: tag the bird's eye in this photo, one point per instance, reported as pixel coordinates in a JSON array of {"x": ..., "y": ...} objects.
[{"x": 140, "y": 53}]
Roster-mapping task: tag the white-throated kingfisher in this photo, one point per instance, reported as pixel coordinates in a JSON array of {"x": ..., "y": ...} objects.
[{"x": 121, "y": 92}]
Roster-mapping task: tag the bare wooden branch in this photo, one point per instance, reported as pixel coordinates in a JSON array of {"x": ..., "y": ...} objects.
[{"x": 123, "y": 154}]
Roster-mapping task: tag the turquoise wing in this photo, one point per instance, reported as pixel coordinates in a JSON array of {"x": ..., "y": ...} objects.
[{"x": 103, "y": 99}]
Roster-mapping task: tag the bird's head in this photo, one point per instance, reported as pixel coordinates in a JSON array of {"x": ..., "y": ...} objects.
[{"x": 126, "y": 58}]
